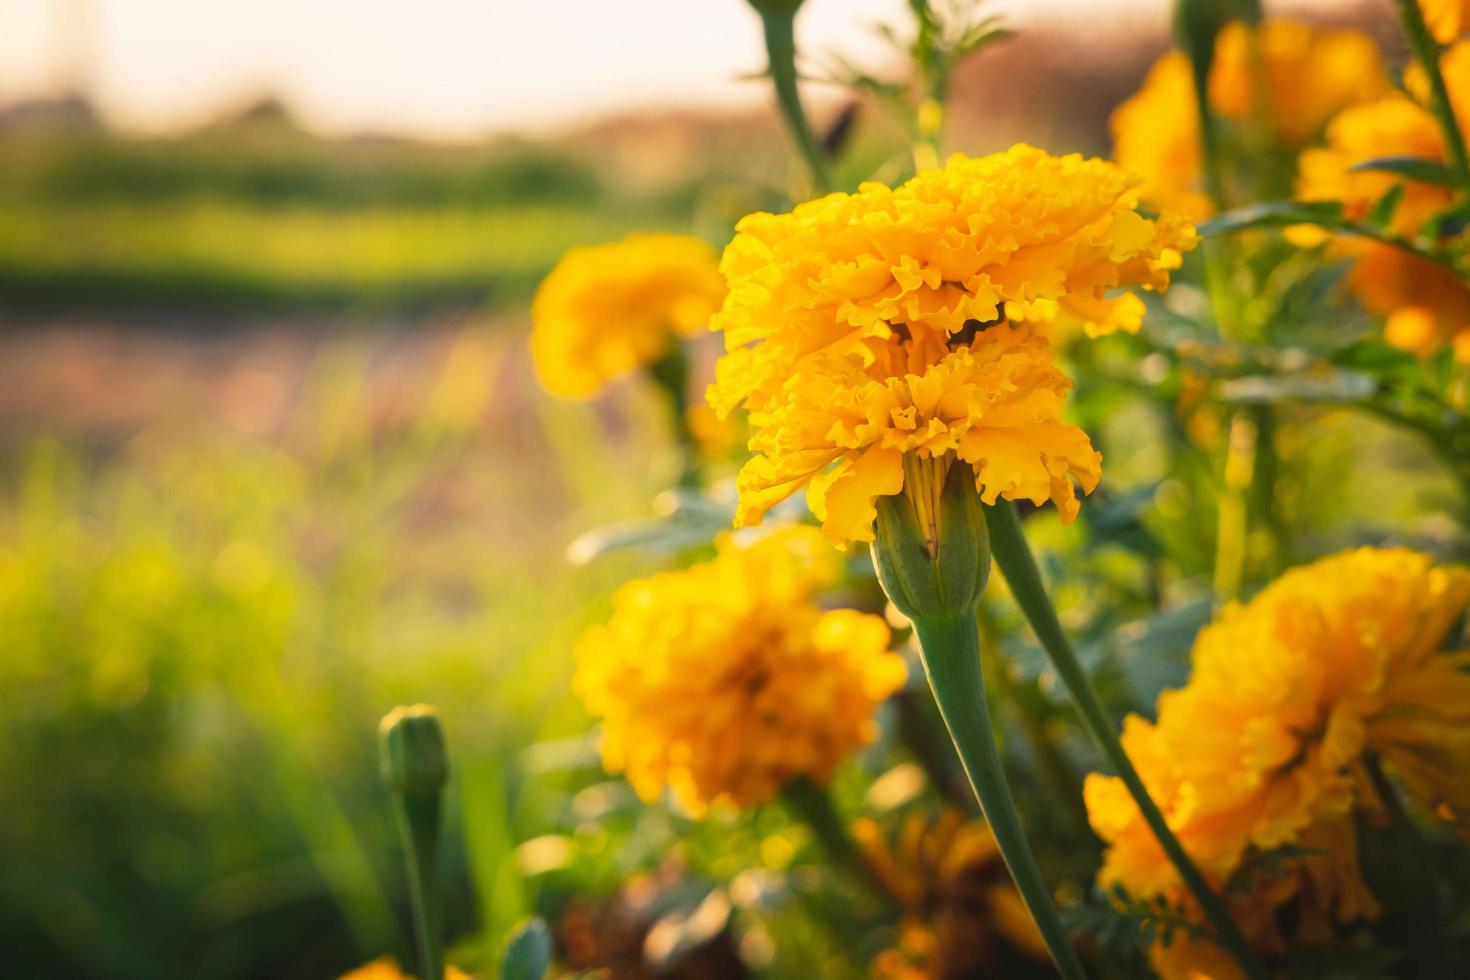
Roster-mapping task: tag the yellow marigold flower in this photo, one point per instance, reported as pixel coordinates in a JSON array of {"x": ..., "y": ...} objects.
[
  {"x": 1263, "y": 746},
  {"x": 725, "y": 681},
  {"x": 962, "y": 914},
  {"x": 1426, "y": 306},
  {"x": 1311, "y": 74},
  {"x": 1447, "y": 19},
  {"x": 1156, "y": 135},
  {"x": 860, "y": 327},
  {"x": 608, "y": 310},
  {"x": 387, "y": 968}
]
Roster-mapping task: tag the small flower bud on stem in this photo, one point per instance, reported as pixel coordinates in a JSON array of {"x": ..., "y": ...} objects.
[{"x": 932, "y": 555}]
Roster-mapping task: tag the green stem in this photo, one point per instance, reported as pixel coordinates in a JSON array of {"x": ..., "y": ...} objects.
[
  {"x": 1405, "y": 881},
  {"x": 950, "y": 649},
  {"x": 418, "y": 824},
  {"x": 1058, "y": 772},
  {"x": 1426, "y": 52},
  {"x": 671, "y": 374},
  {"x": 780, "y": 30},
  {"x": 813, "y": 804},
  {"x": 1013, "y": 555},
  {"x": 923, "y": 733}
]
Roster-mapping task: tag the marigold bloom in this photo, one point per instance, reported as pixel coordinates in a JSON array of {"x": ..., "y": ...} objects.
[
  {"x": 610, "y": 309},
  {"x": 1263, "y": 746},
  {"x": 1426, "y": 306},
  {"x": 860, "y": 327},
  {"x": 1311, "y": 74},
  {"x": 962, "y": 914},
  {"x": 725, "y": 681},
  {"x": 1446, "y": 19},
  {"x": 387, "y": 968}
]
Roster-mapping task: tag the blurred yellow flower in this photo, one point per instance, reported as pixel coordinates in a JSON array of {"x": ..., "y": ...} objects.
[
  {"x": 1447, "y": 19},
  {"x": 962, "y": 915},
  {"x": 386, "y": 968},
  {"x": 860, "y": 327},
  {"x": 1426, "y": 307},
  {"x": 1310, "y": 75},
  {"x": 1263, "y": 747},
  {"x": 608, "y": 310},
  {"x": 725, "y": 681}
]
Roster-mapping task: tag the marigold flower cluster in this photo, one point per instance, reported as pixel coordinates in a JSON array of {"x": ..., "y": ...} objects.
[
  {"x": 725, "y": 681},
  {"x": 1427, "y": 307},
  {"x": 608, "y": 310},
  {"x": 1309, "y": 73},
  {"x": 860, "y": 327},
  {"x": 962, "y": 914},
  {"x": 1264, "y": 746}
]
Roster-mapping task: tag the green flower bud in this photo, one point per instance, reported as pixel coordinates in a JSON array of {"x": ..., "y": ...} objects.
[
  {"x": 415, "y": 762},
  {"x": 785, "y": 8},
  {"x": 932, "y": 551}
]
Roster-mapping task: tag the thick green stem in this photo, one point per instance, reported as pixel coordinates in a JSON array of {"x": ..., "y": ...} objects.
[
  {"x": 923, "y": 732},
  {"x": 1013, "y": 555},
  {"x": 1403, "y": 878},
  {"x": 780, "y": 30},
  {"x": 1426, "y": 52},
  {"x": 671, "y": 374},
  {"x": 418, "y": 824},
  {"x": 813, "y": 804},
  {"x": 950, "y": 648}
]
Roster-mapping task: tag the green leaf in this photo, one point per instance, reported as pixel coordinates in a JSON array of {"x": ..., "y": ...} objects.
[
  {"x": 1414, "y": 168},
  {"x": 527, "y": 952},
  {"x": 1329, "y": 386},
  {"x": 1274, "y": 214},
  {"x": 1385, "y": 206}
]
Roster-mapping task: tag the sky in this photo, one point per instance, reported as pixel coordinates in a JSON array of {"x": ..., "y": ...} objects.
[{"x": 434, "y": 68}]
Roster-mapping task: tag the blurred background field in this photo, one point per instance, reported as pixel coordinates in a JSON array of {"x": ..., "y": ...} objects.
[{"x": 272, "y": 461}]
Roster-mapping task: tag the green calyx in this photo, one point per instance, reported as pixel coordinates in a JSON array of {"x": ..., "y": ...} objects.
[
  {"x": 784, "y": 8},
  {"x": 932, "y": 546},
  {"x": 415, "y": 761}
]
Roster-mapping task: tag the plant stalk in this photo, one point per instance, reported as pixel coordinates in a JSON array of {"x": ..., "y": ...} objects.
[
  {"x": 418, "y": 824},
  {"x": 780, "y": 31},
  {"x": 1013, "y": 555},
  {"x": 950, "y": 650},
  {"x": 1427, "y": 51},
  {"x": 670, "y": 374},
  {"x": 813, "y": 804}
]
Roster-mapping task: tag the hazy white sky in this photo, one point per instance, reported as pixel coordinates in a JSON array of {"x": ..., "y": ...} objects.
[{"x": 433, "y": 67}]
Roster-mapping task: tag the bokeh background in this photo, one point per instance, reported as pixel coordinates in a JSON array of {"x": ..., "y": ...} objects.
[{"x": 272, "y": 459}]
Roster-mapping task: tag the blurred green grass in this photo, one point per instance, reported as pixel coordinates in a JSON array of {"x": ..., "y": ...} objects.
[{"x": 201, "y": 628}]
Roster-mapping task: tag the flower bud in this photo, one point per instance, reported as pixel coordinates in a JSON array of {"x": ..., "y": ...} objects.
[
  {"x": 932, "y": 548},
  {"x": 415, "y": 762},
  {"x": 785, "y": 8}
]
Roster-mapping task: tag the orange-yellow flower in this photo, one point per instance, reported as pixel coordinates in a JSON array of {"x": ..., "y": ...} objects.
[
  {"x": 861, "y": 327},
  {"x": 725, "y": 681},
  {"x": 1426, "y": 307},
  {"x": 1447, "y": 19},
  {"x": 962, "y": 915},
  {"x": 1310, "y": 74},
  {"x": 608, "y": 310},
  {"x": 386, "y": 968},
  {"x": 1264, "y": 746}
]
